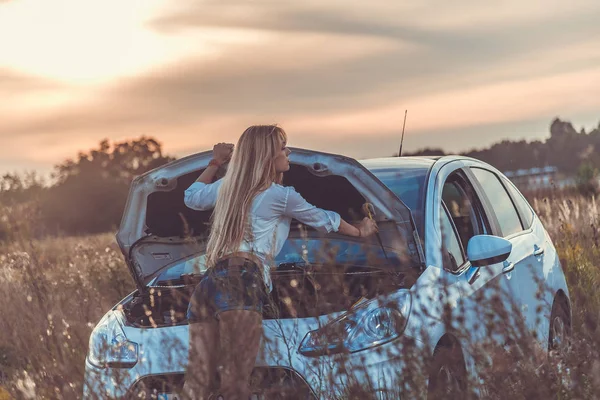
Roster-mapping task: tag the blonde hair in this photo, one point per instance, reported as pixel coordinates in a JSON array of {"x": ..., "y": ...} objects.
[{"x": 251, "y": 170}]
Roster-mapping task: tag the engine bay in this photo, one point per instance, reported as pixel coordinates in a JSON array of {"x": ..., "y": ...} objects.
[{"x": 299, "y": 291}]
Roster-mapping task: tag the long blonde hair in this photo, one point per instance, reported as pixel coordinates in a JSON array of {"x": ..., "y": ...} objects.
[{"x": 251, "y": 170}]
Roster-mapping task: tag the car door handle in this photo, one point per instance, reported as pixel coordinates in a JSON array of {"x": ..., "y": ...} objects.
[
  {"x": 537, "y": 251},
  {"x": 507, "y": 267}
]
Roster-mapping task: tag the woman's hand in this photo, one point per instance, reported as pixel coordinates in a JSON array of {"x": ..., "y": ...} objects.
[
  {"x": 222, "y": 152},
  {"x": 367, "y": 227}
]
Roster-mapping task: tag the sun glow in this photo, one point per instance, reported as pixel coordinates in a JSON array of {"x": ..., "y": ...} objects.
[{"x": 86, "y": 42}]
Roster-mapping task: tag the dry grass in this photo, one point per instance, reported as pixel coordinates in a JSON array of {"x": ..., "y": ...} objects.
[{"x": 55, "y": 290}]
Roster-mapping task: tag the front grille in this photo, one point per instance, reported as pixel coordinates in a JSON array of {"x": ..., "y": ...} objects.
[
  {"x": 149, "y": 387},
  {"x": 279, "y": 383},
  {"x": 266, "y": 383}
]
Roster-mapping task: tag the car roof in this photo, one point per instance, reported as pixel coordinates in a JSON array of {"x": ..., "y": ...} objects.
[
  {"x": 398, "y": 162},
  {"x": 418, "y": 162}
]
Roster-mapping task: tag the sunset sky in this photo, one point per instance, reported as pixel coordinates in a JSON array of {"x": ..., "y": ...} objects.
[{"x": 337, "y": 75}]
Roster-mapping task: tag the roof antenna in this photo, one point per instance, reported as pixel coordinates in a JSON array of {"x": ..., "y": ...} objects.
[{"x": 402, "y": 140}]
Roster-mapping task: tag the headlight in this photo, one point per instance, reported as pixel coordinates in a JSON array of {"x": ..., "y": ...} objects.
[
  {"x": 109, "y": 347},
  {"x": 367, "y": 325}
]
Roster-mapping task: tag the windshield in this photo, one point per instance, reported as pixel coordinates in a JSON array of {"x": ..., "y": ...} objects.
[
  {"x": 304, "y": 251},
  {"x": 409, "y": 185}
]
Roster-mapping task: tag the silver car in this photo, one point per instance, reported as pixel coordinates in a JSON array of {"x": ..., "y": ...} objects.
[{"x": 344, "y": 312}]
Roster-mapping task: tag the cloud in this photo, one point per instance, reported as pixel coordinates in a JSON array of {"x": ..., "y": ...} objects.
[
  {"x": 452, "y": 36},
  {"x": 184, "y": 123},
  {"x": 296, "y": 79},
  {"x": 477, "y": 44},
  {"x": 14, "y": 82},
  {"x": 331, "y": 73},
  {"x": 378, "y": 17},
  {"x": 314, "y": 77},
  {"x": 476, "y": 106}
]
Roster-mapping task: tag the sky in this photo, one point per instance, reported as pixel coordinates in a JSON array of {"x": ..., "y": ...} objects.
[{"x": 337, "y": 75}]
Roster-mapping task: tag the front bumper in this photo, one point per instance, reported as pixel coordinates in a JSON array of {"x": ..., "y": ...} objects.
[{"x": 163, "y": 359}]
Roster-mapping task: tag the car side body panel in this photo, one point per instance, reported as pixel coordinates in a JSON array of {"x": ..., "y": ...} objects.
[{"x": 520, "y": 285}]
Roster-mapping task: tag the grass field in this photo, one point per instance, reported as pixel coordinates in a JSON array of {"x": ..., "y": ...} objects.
[{"x": 54, "y": 291}]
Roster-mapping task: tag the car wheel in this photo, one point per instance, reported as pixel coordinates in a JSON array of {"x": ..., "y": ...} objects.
[
  {"x": 448, "y": 375},
  {"x": 560, "y": 328}
]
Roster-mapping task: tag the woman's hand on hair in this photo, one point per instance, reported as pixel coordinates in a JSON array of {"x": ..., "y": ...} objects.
[
  {"x": 367, "y": 227},
  {"x": 222, "y": 152}
]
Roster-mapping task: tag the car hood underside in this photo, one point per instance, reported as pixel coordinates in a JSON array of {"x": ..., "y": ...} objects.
[{"x": 158, "y": 229}]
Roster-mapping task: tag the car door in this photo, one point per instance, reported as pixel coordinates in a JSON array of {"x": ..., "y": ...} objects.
[
  {"x": 458, "y": 214},
  {"x": 463, "y": 215},
  {"x": 520, "y": 269},
  {"x": 535, "y": 286}
]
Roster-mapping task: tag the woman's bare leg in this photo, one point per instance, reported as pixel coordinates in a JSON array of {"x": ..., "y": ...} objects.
[
  {"x": 240, "y": 332},
  {"x": 201, "y": 360}
]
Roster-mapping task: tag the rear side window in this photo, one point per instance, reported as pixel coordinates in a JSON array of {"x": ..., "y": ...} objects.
[
  {"x": 525, "y": 211},
  {"x": 505, "y": 210}
]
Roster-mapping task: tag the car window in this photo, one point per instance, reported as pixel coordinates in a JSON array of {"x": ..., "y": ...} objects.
[
  {"x": 461, "y": 218},
  {"x": 525, "y": 210},
  {"x": 409, "y": 185},
  {"x": 452, "y": 250},
  {"x": 459, "y": 200},
  {"x": 501, "y": 203}
]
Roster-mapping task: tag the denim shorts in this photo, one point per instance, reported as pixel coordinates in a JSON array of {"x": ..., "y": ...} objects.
[{"x": 229, "y": 285}]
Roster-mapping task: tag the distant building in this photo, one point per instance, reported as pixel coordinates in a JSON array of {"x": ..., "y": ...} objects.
[{"x": 537, "y": 178}]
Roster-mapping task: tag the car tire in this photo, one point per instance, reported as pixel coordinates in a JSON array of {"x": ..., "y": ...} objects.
[
  {"x": 448, "y": 375},
  {"x": 559, "y": 337}
]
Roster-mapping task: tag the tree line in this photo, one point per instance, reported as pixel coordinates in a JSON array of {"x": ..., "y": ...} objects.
[
  {"x": 566, "y": 149},
  {"x": 87, "y": 194}
]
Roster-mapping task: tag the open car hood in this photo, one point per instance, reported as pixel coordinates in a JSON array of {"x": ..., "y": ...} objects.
[{"x": 157, "y": 229}]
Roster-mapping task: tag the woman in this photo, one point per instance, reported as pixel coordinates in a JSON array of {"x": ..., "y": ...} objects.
[{"x": 250, "y": 223}]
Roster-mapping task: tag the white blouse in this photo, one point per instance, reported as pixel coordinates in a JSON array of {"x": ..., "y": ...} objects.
[{"x": 271, "y": 212}]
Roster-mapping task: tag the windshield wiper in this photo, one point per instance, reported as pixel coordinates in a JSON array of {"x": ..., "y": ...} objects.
[
  {"x": 191, "y": 275},
  {"x": 292, "y": 264}
]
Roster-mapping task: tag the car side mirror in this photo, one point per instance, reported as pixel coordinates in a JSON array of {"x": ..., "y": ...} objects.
[{"x": 485, "y": 250}]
